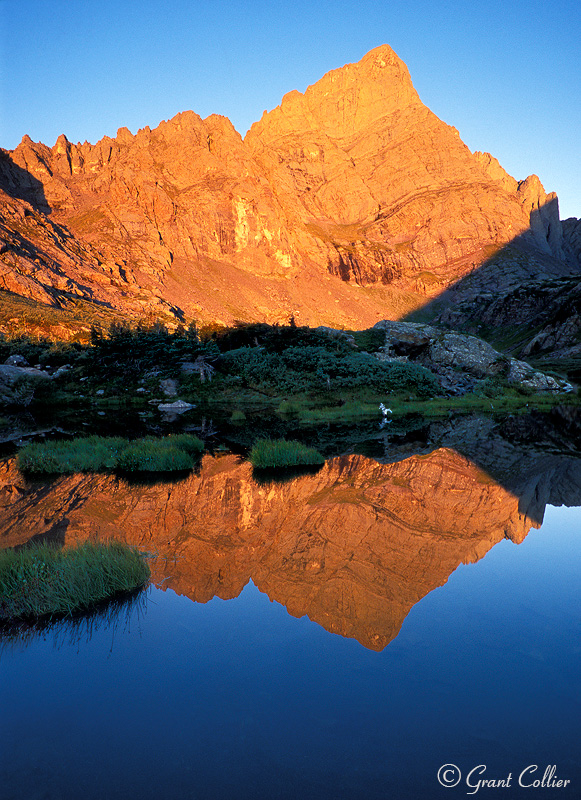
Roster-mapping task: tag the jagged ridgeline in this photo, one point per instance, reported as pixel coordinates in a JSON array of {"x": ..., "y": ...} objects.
[{"x": 344, "y": 205}]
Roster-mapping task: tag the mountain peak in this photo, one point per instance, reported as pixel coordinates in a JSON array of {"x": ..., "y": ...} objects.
[
  {"x": 353, "y": 183},
  {"x": 381, "y": 58},
  {"x": 346, "y": 100}
]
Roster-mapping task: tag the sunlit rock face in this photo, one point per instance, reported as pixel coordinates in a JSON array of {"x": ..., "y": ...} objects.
[
  {"x": 353, "y": 546},
  {"x": 387, "y": 188},
  {"x": 353, "y": 184}
]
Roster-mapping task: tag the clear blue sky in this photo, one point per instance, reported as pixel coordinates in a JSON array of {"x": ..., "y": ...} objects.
[{"x": 506, "y": 74}]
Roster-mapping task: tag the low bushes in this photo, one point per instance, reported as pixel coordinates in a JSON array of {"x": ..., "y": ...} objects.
[
  {"x": 273, "y": 338},
  {"x": 370, "y": 340},
  {"x": 316, "y": 369},
  {"x": 265, "y": 359},
  {"x": 46, "y": 581},
  {"x": 39, "y": 350},
  {"x": 97, "y": 453},
  {"x": 269, "y": 454},
  {"x": 128, "y": 352}
]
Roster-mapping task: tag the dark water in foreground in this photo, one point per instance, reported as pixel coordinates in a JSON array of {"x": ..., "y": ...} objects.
[
  {"x": 377, "y": 621},
  {"x": 237, "y": 699}
]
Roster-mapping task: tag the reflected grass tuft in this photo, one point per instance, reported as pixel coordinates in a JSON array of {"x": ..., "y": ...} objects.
[{"x": 45, "y": 581}]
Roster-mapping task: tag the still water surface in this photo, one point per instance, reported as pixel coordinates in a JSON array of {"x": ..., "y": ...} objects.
[{"x": 236, "y": 698}]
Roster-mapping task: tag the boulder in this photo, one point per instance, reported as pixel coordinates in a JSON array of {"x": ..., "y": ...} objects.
[
  {"x": 171, "y": 411},
  {"x": 524, "y": 375},
  {"x": 442, "y": 351},
  {"x": 18, "y": 384},
  {"x": 169, "y": 387},
  {"x": 459, "y": 360},
  {"x": 16, "y": 361},
  {"x": 179, "y": 406},
  {"x": 466, "y": 353},
  {"x": 406, "y": 338}
]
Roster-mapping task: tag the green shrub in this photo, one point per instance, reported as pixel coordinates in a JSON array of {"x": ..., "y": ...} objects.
[
  {"x": 129, "y": 351},
  {"x": 238, "y": 416},
  {"x": 276, "y": 338},
  {"x": 260, "y": 369},
  {"x": 44, "y": 580},
  {"x": 269, "y": 453},
  {"x": 23, "y": 345},
  {"x": 40, "y": 350},
  {"x": 370, "y": 340},
  {"x": 492, "y": 387},
  {"x": 303, "y": 369}
]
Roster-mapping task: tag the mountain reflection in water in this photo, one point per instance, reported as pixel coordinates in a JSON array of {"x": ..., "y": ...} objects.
[{"x": 353, "y": 546}]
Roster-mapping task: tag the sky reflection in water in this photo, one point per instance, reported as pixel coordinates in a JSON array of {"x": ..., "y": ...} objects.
[{"x": 238, "y": 699}]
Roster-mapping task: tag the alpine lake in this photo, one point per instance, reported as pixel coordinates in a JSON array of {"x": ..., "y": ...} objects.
[{"x": 402, "y": 622}]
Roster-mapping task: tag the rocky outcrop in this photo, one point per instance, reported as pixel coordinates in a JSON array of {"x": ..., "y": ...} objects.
[
  {"x": 18, "y": 384},
  {"x": 572, "y": 239},
  {"x": 460, "y": 360},
  {"x": 354, "y": 183},
  {"x": 540, "y": 318},
  {"x": 543, "y": 211},
  {"x": 43, "y": 260}
]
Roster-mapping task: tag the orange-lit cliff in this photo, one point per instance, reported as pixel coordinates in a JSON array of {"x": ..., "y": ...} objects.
[{"x": 347, "y": 204}]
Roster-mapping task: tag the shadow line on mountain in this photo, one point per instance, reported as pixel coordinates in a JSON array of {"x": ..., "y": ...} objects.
[
  {"x": 532, "y": 257},
  {"x": 533, "y": 456},
  {"x": 20, "y": 184}
]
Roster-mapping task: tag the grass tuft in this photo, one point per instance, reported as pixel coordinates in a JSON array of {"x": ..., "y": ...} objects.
[
  {"x": 46, "y": 581},
  {"x": 269, "y": 454},
  {"x": 288, "y": 407},
  {"x": 144, "y": 456},
  {"x": 71, "y": 455},
  {"x": 353, "y": 411},
  {"x": 97, "y": 453}
]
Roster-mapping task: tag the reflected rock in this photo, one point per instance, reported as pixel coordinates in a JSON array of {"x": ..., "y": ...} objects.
[{"x": 354, "y": 546}]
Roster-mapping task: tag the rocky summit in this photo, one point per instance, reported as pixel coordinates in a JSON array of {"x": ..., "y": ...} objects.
[{"x": 345, "y": 205}]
